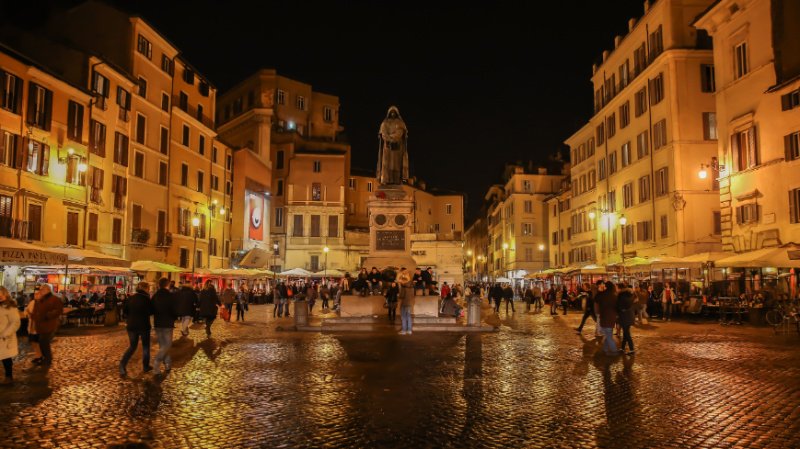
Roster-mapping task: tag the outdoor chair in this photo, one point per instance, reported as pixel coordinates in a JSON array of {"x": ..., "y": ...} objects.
[{"x": 695, "y": 308}]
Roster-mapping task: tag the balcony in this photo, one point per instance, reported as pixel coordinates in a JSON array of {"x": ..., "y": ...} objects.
[{"x": 192, "y": 110}]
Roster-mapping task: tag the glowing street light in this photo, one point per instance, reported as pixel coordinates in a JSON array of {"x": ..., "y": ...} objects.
[
  {"x": 195, "y": 225},
  {"x": 325, "y": 272},
  {"x": 82, "y": 167}
]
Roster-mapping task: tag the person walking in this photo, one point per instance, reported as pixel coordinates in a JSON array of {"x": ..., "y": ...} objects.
[
  {"x": 589, "y": 311},
  {"x": 46, "y": 318},
  {"x": 33, "y": 336},
  {"x": 138, "y": 310},
  {"x": 311, "y": 296},
  {"x": 496, "y": 295},
  {"x": 165, "y": 313},
  {"x": 9, "y": 324},
  {"x": 556, "y": 302},
  {"x": 640, "y": 305},
  {"x": 564, "y": 298},
  {"x": 241, "y": 303},
  {"x": 229, "y": 297},
  {"x": 209, "y": 304},
  {"x": 185, "y": 300},
  {"x": 528, "y": 297},
  {"x": 508, "y": 295},
  {"x": 277, "y": 306},
  {"x": 667, "y": 298},
  {"x": 285, "y": 296},
  {"x": 606, "y": 303},
  {"x": 625, "y": 299},
  {"x": 392, "y": 294},
  {"x": 406, "y": 301},
  {"x": 537, "y": 298}
]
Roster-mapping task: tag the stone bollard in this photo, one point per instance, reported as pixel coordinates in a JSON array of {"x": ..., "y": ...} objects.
[
  {"x": 474, "y": 311},
  {"x": 300, "y": 313}
]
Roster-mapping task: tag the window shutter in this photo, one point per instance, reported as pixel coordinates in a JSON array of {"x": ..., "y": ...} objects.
[
  {"x": 786, "y": 102},
  {"x": 792, "y": 206},
  {"x": 787, "y": 147},
  {"x": 735, "y": 150},
  {"x": 71, "y": 111},
  {"x": 45, "y": 159},
  {"x": 751, "y": 136},
  {"x": 48, "y": 109},
  {"x": 30, "y": 117},
  {"x": 2, "y": 86},
  {"x": 22, "y": 153}
]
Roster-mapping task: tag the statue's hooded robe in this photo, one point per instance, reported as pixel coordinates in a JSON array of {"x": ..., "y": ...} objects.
[{"x": 393, "y": 151}]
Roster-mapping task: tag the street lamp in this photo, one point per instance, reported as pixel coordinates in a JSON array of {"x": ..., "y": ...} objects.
[
  {"x": 195, "y": 225},
  {"x": 471, "y": 263},
  {"x": 505, "y": 260},
  {"x": 623, "y": 221},
  {"x": 541, "y": 256}
]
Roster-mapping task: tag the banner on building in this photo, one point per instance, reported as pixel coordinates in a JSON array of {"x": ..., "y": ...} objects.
[{"x": 256, "y": 207}]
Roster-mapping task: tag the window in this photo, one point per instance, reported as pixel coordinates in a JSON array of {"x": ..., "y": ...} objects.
[
  {"x": 97, "y": 138},
  {"x": 142, "y": 87},
  {"x": 279, "y": 188},
  {"x": 199, "y": 113},
  {"x": 745, "y": 148},
  {"x": 662, "y": 182},
  {"x": 627, "y": 234},
  {"x": 791, "y": 146},
  {"x": 162, "y": 173},
  {"x": 748, "y": 213},
  {"x": 138, "y": 164},
  {"x": 327, "y": 114},
  {"x": 625, "y": 114},
  {"x": 161, "y": 228},
  {"x": 183, "y": 101},
  {"x": 656, "y": 43},
  {"x": 316, "y": 191},
  {"x": 166, "y": 64},
  {"x": 101, "y": 87},
  {"x": 184, "y": 218},
  {"x": 184, "y": 175},
  {"x": 527, "y": 228},
  {"x": 214, "y": 154},
  {"x": 528, "y": 206},
  {"x": 644, "y": 231},
  {"x": 642, "y": 144},
  {"x": 228, "y": 162},
  {"x": 141, "y": 128},
  {"x": 97, "y": 185},
  {"x": 215, "y": 183},
  {"x": 601, "y": 134},
  {"x": 281, "y": 97},
  {"x": 34, "y": 222},
  {"x": 40, "y": 106},
  {"x": 317, "y": 166},
  {"x": 644, "y": 188},
  {"x": 201, "y": 229},
  {"x": 120, "y": 149},
  {"x": 369, "y": 186},
  {"x": 37, "y": 157},
  {"x": 717, "y": 218},
  {"x": 659, "y": 134},
  {"x": 165, "y": 101},
  {"x": 612, "y": 163},
  {"x": 657, "y": 89},
  {"x": 297, "y": 229},
  {"x": 611, "y": 125},
  {"x": 707, "y": 82},
  {"x": 75, "y": 176},
  {"x": 601, "y": 168},
  {"x": 204, "y": 89},
  {"x": 136, "y": 219},
  {"x": 526, "y": 186},
  {"x": 664, "y": 227},
  {"x": 301, "y": 103},
  {"x": 333, "y": 226},
  {"x": 10, "y": 92},
  {"x": 74, "y": 121},
  {"x": 709, "y": 126},
  {"x": 164, "y": 141},
  {"x": 184, "y": 259},
  {"x": 202, "y": 145},
  {"x": 228, "y": 188},
  {"x": 212, "y": 247},
  {"x": 640, "y": 102},
  {"x": 740, "y": 67},
  {"x": 624, "y": 74},
  {"x": 188, "y": 75},
  {"x": 119, "y": 187},
  {"x": 590, "y": 147},
  {"x": 612, "y": 201},
  {"x": 185, "y": 136},
  {"x": 351, "y": 183},
  {"x": 144, "y": 47},
  {"x": 10, "y": 151},
  {"x": 625, "y": 152},
  {"x": 116, "y": 231},
  {"x": 448, "y": 209},
  {"x": 592, "y": 179},
  {"x": 279, "y": 160},
  {"x": 124, "y": 103},
  {"x": 279, "y": 217},
  {"x": 200, "y": 181},
  {"x": 93, "y": 218},
  {"x": 315, "y": 226},
  {"x": 639, "y": 60},
  {"x": 627, "y": 195},
  {"x": 790, "y": 100}
]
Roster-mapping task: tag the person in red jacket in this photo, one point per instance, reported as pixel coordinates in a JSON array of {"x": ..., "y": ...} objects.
[
  {"x": 46, "y": 317},
  {"x": 445, "y": 290}
]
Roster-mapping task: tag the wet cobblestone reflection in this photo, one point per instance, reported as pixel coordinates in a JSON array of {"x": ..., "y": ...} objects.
[{"x": 533, "y": 384}]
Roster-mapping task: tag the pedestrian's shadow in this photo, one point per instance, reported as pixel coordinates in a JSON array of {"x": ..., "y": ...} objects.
[
  {"x": 589, "y": 349},
  {"x": 212, "y": 347}
]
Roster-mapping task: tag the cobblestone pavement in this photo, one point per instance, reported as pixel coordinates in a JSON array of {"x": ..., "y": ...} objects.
[{"x": 535, "y": 383}]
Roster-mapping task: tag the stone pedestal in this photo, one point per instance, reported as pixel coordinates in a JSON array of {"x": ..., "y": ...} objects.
[
  {"x": 300, "y": 313},
  {"x": 390, "y": 214}
]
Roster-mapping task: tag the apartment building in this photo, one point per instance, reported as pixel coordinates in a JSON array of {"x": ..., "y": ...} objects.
[
  {"x": 561, "y": 251},
  {"x": 757, "y": 90},
  {"x": 296, "y": 131},
  {"x": 634, "y": 187}
]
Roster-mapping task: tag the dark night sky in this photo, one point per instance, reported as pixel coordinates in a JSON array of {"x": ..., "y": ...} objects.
[{"x": 477, "y": 86}]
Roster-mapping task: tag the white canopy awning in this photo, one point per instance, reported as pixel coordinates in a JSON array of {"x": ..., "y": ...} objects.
[
  {"x": 15, "y": 252},
  {"x": 88, "y": 257},
  {"x": 299, "y": 272},
  {"x": 778, "y": 257},
  {"x": 153, "y": 266}
]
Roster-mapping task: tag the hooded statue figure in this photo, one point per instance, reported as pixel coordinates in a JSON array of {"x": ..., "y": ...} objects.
[{"x": 393, "y": 151}]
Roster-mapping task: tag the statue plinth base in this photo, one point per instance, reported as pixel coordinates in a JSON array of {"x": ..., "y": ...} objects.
[{"x": 390, "y": 213}]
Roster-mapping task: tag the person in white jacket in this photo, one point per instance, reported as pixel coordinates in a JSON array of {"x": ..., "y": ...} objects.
[{"x": 9, "y": 323}]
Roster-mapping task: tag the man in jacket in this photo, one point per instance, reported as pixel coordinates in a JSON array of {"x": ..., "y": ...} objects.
[
  {"x": 407, "y": 292},
  {"x": 209, "y": 305},
  {"x": 508, "y": 295},
  {"x": 46, "y": 317},
  {"x": 496, "y": 295},
  {"x": 667, "y": 298},
  {"x": 374, "y": 281},
  {"x": 164, "y": 307},
  {"x": 427, "y": 278},
  {"x": 185, "y": 300},
  {"x": 606, "y": 308},
  {"x": 229, "y": 297},
  {"x": 138, "y": 310},
  {"x": 589, "y": 311},
  {"x": 419, "y": 282}
]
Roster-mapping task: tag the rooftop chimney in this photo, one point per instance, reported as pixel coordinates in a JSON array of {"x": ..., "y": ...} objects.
[
  {"x": 631, "y": 24},
  {"x": 542, "y": 170},
  {"x": 605, "y": 55},
  {"x": 617, "y": 40},
  {"x": 646, "y": 6}
]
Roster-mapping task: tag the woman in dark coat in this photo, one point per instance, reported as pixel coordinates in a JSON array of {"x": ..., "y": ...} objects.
[
  {"x": 625, "y": 316},
  {"x": 392, "y": 295},
  {"x": 209, "y": 305}
]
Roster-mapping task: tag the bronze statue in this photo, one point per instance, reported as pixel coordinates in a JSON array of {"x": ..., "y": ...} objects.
[{"x": 393, "y": 151}]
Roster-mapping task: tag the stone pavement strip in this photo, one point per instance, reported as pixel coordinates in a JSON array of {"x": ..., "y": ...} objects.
[{"x": 536, "y": 383}]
